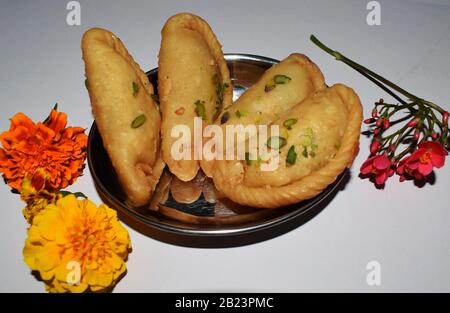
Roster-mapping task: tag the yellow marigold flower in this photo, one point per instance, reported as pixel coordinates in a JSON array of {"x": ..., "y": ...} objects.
[
  {"x": 35, "y": 195},
  {"x": 76, "y": 246}
]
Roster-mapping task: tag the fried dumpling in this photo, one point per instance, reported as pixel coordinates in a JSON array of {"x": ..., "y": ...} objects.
[
  {"x": 193, "y": 81},
  {"x": 127, "y": 118},
  {"x": 280, "y": 88},
  {"x": 318, "y": 139}
]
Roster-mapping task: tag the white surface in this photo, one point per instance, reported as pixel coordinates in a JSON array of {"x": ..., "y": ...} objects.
[{"x": 403, "y": 227}]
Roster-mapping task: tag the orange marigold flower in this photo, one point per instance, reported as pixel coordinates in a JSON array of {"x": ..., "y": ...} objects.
[
  {"x": 35, "y": 194},
  {"x": 48, "y": 145},
  {"x": 76, "y": 246}
]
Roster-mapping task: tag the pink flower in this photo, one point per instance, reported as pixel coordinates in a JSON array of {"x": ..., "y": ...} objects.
[
  {"x": 380, "y": 167},
  {"x": 421, "y": 162}
]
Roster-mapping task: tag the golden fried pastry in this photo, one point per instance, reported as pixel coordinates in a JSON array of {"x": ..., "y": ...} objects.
[
  {"x": 318, "y": 139},
  {"x": 280, "y": 88},
  {"x": 127, "y": 118},
  {"x": 193, "y": 81}
]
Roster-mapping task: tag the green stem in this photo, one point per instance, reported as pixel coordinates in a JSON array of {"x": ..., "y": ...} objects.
[{"x": 341, "y": 57}]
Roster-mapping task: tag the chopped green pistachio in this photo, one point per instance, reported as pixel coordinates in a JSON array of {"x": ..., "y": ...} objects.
[
  {"x": 155, "y": 98},
  {"x": 289, "y": 123},
  {"x": 278, "y": 79},
  {"x": 276, "y": 142},
  {"x": 138, "y": 121},
  {"x": 135, "y": 89},
  {"x": 240, "y": 114},
  {"x": 314, "y": 147},
  {"x": 284, "y": 133},
  {"x": 200, "y": 109},
  {"x": 220, "y": 90},
  {"x": 225, "y": 117},
  {"x": 309, "y": 132},
  {"x": 305, "y": 152},
  {"x": 247, "y": 158},
  {"x": 281, "y": 79},
  {"x": 269, "y": 86},
  {"x": 291, "y": 157},
  {"x": 312, "y": 154},
  {"x": 306, "y": 140},
  {"x": 338, "y": 144}
]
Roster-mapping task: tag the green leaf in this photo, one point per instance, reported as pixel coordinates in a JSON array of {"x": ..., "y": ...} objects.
[
  {"x": 138, "y": 121},
  {"x": 291, "y": 157},
  {"x": 78, "y": 194},
  {"x": 276, "y": 142},
  {"x": 47, "y": 119}
]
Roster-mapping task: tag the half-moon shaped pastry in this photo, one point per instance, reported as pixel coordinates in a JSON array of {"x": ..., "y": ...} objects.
[
  {"x": 193, "y": 81},
  {"x": 127, "y": 118},
  {"x": 281, "y": 87},
  {"x": 318, "y": 139}
]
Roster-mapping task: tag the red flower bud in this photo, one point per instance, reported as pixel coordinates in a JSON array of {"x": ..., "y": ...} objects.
[
  {"x": 392, "y": 148},
  {"x": 379, "y": 122},
  {"x": 412, "y": 123},
  {"x": 376, "y": 131},
  {"x": 386, "y": 123},
  {"x": 416, "y": 134},
  {"x": 434, "y": 135},
  {"x": 374, "y": 113},
  {"x": 445, "y": 117},
  {"x": 368, "y": 121},
  {"x": 381, "y": 100},
  {"x": 374, "y": 147}
]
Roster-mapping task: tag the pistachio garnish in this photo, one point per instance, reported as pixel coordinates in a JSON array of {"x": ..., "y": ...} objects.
[
  {"x": 200, "y": 109},
  {"x": 138, "y": 121},
  {"x": 225, "y": 117},
  {"x": 291, "y": 157},
  {"x": 240, "y": 114},
  {"x": 289, "y": 123},
  {"x": 269, "y": 86},
  {"x": 135, "y": 89},
  {"x": 337, "y": 145},
  {"x": 305, "y": 152},
  {"x": 276, "y": 142},
  {"x": 220, "y": 90},
  {"x": 280, "y": 79},
  {"x": 284, "y": 133}
]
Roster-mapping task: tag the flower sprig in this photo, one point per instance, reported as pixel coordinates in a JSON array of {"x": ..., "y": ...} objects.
[{"x": 409, "y": 138}]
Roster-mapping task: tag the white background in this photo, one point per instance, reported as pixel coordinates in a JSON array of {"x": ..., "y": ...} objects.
[{"x": 403, "y": 227}]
